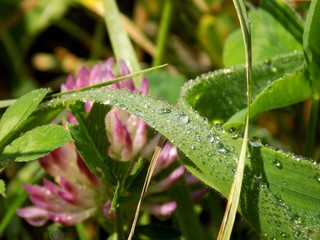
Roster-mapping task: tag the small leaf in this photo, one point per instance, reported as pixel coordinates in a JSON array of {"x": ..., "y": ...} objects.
[
  {"x": 91, "y": 141},
  {"x": 36, "y": 143},
  {"x": 17, "y": 113}
]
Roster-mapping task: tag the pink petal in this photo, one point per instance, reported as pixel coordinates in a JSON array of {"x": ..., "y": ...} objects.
[
  {"x": 167, "y": 182},
  {"x": 160, "y": 211},
  {"x": 83, "y": 78},
  {"x": 144, "y": 88},
  {"x": 85, "y": 170},
  {"x": 71, "y": 218},
  {"x": 167, "y": 156},
  {"x": 198, "y": 194},
  {"x": 69, "y": 84},
  {"x": 33, "y": 215}
]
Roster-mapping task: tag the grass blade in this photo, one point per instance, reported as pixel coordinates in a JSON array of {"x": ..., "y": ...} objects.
[
  {"x": 234, "y": 196},
  {"x": 146, "y": 182}
]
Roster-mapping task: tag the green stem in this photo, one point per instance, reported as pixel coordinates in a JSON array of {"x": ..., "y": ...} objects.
[
  {"x": 82, "y": 235},
  {"x": 119, "y": 38},
  {"x": 119, "y": 223},
  {"x": 163, "y": 32},
  {"x": 311, "y": 131}
]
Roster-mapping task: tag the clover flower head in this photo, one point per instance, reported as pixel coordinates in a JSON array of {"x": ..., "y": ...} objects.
[{"x": 73, "y": 197}]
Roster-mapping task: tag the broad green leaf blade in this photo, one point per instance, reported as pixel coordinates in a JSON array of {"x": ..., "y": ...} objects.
[
  {"x": 15, "y": 115},
  {"x": 280, "y": 93},
  {"x": 285, "y": 14},
  {"x": 311, "y": 39},
  {"x": 269, "y": 39},
  {"x": 280, "y": 191},
  {"x": 283, "y": 92},
  {"x": 228, "y": 88},
  {"x": 36, "y": 143},
  {"x": 119, "y": 38}
]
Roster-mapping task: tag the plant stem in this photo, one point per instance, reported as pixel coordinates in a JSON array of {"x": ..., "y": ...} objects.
[
  {"x": 163, "y": 32},
  {"x": 119, "y": 38},
  {"x": 119, "y": 223},
  {"x": 311, "y": 131},
  {"x": 81, "y": 232}
]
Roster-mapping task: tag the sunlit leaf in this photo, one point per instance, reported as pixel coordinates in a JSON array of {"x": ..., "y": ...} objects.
[
  {"x": 15, "y": 115},
  {"x": 36, "y": 143}
]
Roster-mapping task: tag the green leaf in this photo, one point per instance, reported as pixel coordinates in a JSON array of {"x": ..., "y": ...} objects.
[
  {"x": 280, "y": 191},
  {"x": 269, "y": 39},
  {"x": 16, "y": 114},
  {"x": 285, "y": 15},
  {"x": 311, "y": 39},
  {"x": 91, "y": 141},
  {"x": 228, "y": 89},
  {"x": 2, "y": 188},
  {"x": 36, "y": 143},
  {"x": 280, "y": 93},
  {"x": 165, "y": 86}
]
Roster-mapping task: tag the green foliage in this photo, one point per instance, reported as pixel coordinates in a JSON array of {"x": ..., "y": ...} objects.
[
  {"x": 279, "y": 196},
  {"x": 15, "y": 116},
  {"x": 269, "y": 39},
  {"x": 311, "y": 45},
  {"x": 21, "y": 138},
  {"x": 36, "y": 143}
]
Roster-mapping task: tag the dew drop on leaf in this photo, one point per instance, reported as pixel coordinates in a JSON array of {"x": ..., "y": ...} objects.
[
  {"x": 318, "y": 178},
  {"x": 277, "y": 163},
  {"x": 163, "y": 110},
  {"x": 221, "y": 148},
  {"x": 255, "y": 142},
  {"x": 184, "y": 118},
  {"x": 210, "y": 139}
]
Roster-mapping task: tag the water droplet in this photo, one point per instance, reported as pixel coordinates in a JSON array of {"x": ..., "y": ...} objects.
[
  {"x": 284, "y": 183},
  {"x": 184, "y": 118},
  {"x": 221, "y": 148},
  {"x": 277, "y": 163},
  {"x": 210, "y": 139},
  {"x": 255, "y": 142},
  {"x": 234, "y": 132},
  {"x": 318, "y": 178},
  {"x": 138, "y": 113},
  {"x": 163, "y": 110}
]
